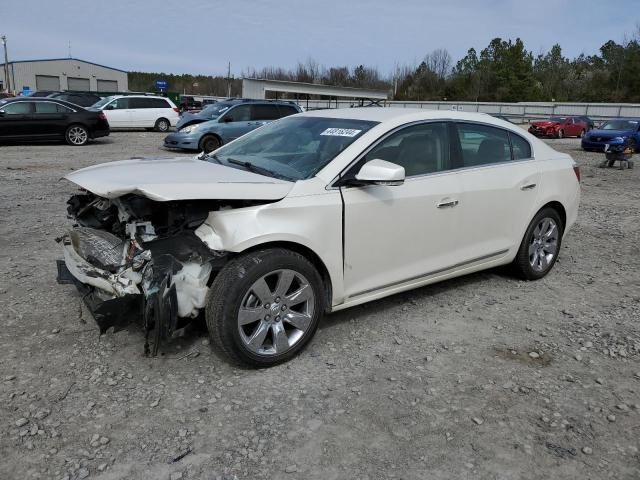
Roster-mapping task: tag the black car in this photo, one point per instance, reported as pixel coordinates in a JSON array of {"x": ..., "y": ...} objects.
[
  {"x": 33, "y": 118},
  {"x": 77, "y": 98}
]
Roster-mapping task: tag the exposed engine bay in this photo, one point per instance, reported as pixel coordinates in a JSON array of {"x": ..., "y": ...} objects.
[{"x": 134, "y": 258}]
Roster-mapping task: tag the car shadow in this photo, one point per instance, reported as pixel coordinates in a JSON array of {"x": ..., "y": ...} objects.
[{"x": 418, "y": 295}]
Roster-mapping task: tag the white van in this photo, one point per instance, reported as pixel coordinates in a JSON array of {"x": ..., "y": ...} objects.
[{"x": 139, "y": 111}]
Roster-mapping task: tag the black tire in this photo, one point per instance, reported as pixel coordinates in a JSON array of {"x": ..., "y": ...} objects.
[
  {"x": 162, "y": 125},
  {"x": 76, "y": 135},
  {"x": 233, "y": 284},
  {"x": 630, "y": 164},
  {"x": 209, "y": 143},
  {"x": 522, "y": 263}
]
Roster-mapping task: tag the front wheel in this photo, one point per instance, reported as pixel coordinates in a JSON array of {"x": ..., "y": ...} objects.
[
  {"x": 540, "y": 246},
  {"x": 209, "y": 143},
  {"x": 162, "y": 125},
  {"x": 264, "y": 306},
  {"x": 76, "y": 135}
]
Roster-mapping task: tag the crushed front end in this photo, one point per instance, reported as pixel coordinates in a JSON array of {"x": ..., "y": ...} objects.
[{"x": 135, "y": 259}]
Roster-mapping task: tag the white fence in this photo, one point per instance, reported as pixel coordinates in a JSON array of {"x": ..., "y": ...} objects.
[{"x": 523, "y": 111}]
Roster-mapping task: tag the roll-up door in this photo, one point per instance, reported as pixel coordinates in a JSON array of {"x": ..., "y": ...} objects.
[
  {"x": 107, "y": 85},
  {"x": 79, "y": 84},
  {"x": 47, "y": 82}
]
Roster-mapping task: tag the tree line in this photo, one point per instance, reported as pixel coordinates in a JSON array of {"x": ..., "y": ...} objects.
[{"x": 503, "y": 71}]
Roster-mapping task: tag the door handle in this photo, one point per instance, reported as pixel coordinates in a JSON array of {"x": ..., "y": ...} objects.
[
  {"x": 451, "y": 203},
  {"x": 529, "y": 186}
]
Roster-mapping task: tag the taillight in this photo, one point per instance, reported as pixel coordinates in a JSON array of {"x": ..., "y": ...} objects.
[
  {"x": 176, "y": 109},
  {"x": 102, "y": 116},
  {"x": 576, "y": 170}
]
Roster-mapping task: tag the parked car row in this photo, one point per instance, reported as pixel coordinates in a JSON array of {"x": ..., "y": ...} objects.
[{"x": 57, "y": 117}]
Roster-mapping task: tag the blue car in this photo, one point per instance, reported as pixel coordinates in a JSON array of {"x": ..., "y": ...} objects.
[
  {"x": 624, "y": 128},
  {"x": 228, "y": 120}
]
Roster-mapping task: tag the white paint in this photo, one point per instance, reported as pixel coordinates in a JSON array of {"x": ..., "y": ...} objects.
[{"x": 179, "y": 178}]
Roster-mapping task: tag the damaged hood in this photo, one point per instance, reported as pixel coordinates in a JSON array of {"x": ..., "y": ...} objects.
[{"x": 179, "y": 178}]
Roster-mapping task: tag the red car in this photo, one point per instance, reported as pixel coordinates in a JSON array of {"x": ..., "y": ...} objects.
[{"x": 560, "y": 127}]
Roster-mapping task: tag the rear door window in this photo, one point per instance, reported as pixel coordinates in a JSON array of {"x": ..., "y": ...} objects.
[
  {"x": 264, "y": 112},
  {"x": 482, "y": 144},
  {"x": 46, "y": 107}
]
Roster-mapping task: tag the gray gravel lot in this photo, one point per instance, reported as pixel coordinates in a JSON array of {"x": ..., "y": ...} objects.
[{"x": 437, "y": 383}]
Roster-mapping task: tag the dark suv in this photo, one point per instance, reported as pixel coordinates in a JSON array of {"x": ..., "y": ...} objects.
[
  {"x": 227, "y": 120},
  {"x": 77, "y": 98}
]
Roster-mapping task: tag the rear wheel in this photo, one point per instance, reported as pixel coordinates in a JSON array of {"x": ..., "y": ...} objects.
[
  {"x": 162, "y": 125},
  {"x": 76, "y": 135},
  {"x": 263, "y": 307},
  {"x": 540, "y": 246},
  {"x": 209, "y": 143}
]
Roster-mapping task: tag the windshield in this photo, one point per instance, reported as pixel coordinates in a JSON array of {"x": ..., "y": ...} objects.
[
  {"x": 620, "y": 125},
  {"x": 215, "y": 110},
  {"x": 558, "y": 119},
  {"x": 293, "y": 148},
  {"x": 103, "y": 102}
]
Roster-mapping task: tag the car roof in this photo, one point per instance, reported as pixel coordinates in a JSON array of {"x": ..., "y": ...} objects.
[
  {"x": 36, "y": 99},
  {"x": 137, "y": 96},
  {"x": 385, "y": 114}
]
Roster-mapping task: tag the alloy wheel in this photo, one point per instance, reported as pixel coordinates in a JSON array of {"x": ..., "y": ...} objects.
[
  {"x": 276, "y": 312},
  {"x": 163, "y": 125},
  {"x": 77, "y": 136},
  {"x": 544, "y": 244}
]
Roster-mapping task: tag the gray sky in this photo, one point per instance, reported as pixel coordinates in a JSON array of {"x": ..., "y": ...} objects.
[{"x": 199, "y": 36}]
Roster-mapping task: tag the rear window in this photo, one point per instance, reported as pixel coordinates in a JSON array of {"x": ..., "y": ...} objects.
[
  {"x": 137, "y": 102},
  {"x": 520, "y": 147},
  {"x": 286, "y": 110}
]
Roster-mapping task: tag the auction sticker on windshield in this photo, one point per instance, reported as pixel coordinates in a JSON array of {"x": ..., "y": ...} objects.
[{"x": 341, "y": 132}]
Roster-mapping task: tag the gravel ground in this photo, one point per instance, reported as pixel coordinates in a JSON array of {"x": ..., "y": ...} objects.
[{"x": 479, "y": 377}]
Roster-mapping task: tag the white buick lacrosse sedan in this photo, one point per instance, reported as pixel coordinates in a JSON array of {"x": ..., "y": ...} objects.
[{"x": 314, "y": 213}]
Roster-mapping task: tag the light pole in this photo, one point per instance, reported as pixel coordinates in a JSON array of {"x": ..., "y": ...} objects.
[{"x": 6, "y": 63}]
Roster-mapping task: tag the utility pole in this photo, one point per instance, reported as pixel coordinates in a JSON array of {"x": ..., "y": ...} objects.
[
  {"x": 229, "y": 80},
  {"x": 6, "y": 63},
  {"x": 69, "y": 50}
]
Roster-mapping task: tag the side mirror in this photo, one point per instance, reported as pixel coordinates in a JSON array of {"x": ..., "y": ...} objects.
[
  {"x": 227, "y": 119},
  {"x": 381, "y": 172}
]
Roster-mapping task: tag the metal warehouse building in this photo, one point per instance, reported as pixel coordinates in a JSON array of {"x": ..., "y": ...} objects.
[{"x": 64, "y": 74}]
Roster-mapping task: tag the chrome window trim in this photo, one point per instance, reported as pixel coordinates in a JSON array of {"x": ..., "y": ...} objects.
[{"x": 331, "y": 185}]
